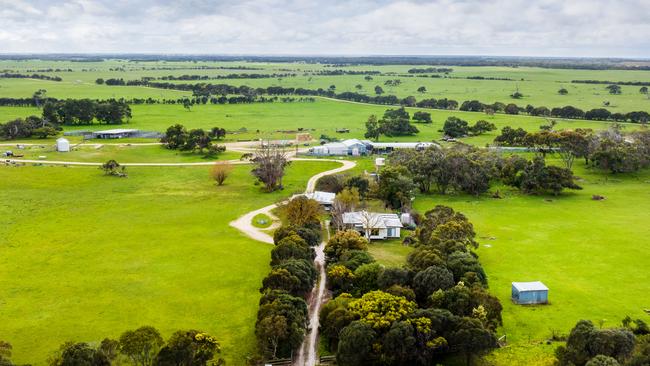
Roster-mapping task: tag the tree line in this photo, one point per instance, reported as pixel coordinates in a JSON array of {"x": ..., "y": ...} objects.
[
  {"x": 282, "y": 317},
  {"x": 434, "y": 306},
  {"x": 144, "y": 346},
  {"x": 8, "y": 75},
  {"x": 32, "y": 126},
  {"x": 632, "y": 83},
  {"x": 86, "y": 111},
  {"x": 429, "y": 70},
  {"x": 568, "y": 112}
]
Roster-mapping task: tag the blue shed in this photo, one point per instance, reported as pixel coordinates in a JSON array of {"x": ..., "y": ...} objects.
[{"x": 529, "y": 293}]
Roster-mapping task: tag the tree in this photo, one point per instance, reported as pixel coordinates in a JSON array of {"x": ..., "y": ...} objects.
[
  {"x": 109, "y": 348},
  {"x": 422, "y": 90},
  {"x": 270, "y": 163},
  {"x": 430, "y": 280},
  {"x": 481, "y": 127},
  {"x": 5, "y": 353},
  {"x": 79, "y": 354},
  {"x": 302, "y": 211},
  {"x": 365, "y": 277},
  {"x": 367, "y": 78},
  {"x": 217, "y": 133},
  {"x": 472, "y": 338},
  {"x": 345, "y": 201},
  {"x": 586, "y": 341},
  {"x": 141, "y": 345},
  {"x": 99, "y": 81},
  {"x": 422, "y": 117},
  {"x": 291, "y": 247},
  {"x": 395, "y": 187},
  {"x": 281, "y": 322},
  {"x": 602, "y": 360},
  {"x": 220, "y": 172},
  {"x": 613, "y": 89},
  {"x": 511, "y": 109},
  {"x": 45, "y": 132},
  {"x": 643, "y": 90},
  {"x": 511, "y": 137},
  {"x": 396, "y": 122},
  {"x": 343, "y": 241},
  {"x": 563, "y": 91},
  {"x": 379, "y": 90},
  {"x": 112, "y": 167},
  {"x": 380, "y": 310},
  {"x": 175, "y": 137},
  {"x": 373, "y": 131},
  {"x": 355, "y": 344},
  {"x": 358, "y": 86},
  {"x": 455, "y": 127},
  {"x": 189, "y": 348},
  {"x": 537, "y": 177},
  {"x": 400, "y": 344}
]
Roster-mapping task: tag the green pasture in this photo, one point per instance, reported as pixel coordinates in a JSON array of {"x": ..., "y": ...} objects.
[
  {"x": 591, "y": 254},
  {"x": 539, "y": 85},
  {"x": 324, "y": 116},
  {"x": 86, "y": 256}
]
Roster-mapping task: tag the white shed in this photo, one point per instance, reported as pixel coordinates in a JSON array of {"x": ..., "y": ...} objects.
[{"x": 62, "y": 145}]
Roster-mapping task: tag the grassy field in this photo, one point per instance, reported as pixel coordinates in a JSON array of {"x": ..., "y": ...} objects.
[
  {"x": 85, "y": 256},
  {"x": 324, "y": 116},
  {"x": 539, "y": 85},
  {"x": 591, "y": 254}
]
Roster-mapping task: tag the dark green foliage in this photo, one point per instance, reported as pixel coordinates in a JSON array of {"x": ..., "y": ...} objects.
[
  {"x": 79, "y": 354},
  {"x": 295, "y": 276},
  {"x": 366, "y": 277},
  {"x": 85, "y": 111},
  {"x": 430, "y": 280},
  {"x": 481, "y": 127},
  {"x": 355, "y": 344},
  {"x": 353, "y": 259},
  {"x": 586, "y": 341},
  {"x": 422, "y": 117},
  {"x": 455, "y": 127},
  {"x": 602, "y": 360},
  {"x": 395, "y": 187},
  {"x": 32, "y": 126},
  {"x": 511, "y": 137},
  {"x": 281, "y": 323},
  {"x": 177, "y": 137},
  {"x": 461, "y": 300},
  {"x": 393, "y": 276},
  {"x": 537, "y": 177},
  {"x": 141, "y": 345},
  {"x": 289, "y": 248},
  {"x": 400, "y": 344},
  {"x": 331, "y": 183},
  {"x": 189, "y": 348},
  {"x": 5, "y": 353}
]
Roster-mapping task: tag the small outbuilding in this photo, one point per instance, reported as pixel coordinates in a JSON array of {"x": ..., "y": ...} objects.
[
  {"x": 527, "y": 293},
  {"x": 62, "y": 145}
]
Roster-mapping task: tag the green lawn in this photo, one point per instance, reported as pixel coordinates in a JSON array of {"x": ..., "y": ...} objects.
[
  {"x": 591, "y": 254},
  {"x": 85, "y": 256},
  {"x": 390, "y": 253}
]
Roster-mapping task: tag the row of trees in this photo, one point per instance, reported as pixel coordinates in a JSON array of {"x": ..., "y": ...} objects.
[
  {"x": 568, "y": 112},
  {"x": 86, "y": 111},
  {"x": 610, "y": 150},
  {"x": 9, "y": 75},
  {"x": 32, "y": 126},
  {"x": 140, "y": 347},
  {"x": 177, "y": 137},
  {"x": 587, "y": 345},
  {"x": 282, "y": 316},
  {"x": 435, "y": 305}
]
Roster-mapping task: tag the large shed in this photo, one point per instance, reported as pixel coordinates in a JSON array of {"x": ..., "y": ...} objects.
[{"x": 529, "y": 293}]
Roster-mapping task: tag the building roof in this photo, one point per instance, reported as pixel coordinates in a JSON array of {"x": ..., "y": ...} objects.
[
  {"x": 115, "y": 131},
  {"x": 335, "y": 145},
  {"x": 401, "y": 145},
  {"x": 351, "y": 142},
  {"x": 530, "y": 286},
  {"x": 321, "y": 197},
  {"x": 374, "y": 220}
]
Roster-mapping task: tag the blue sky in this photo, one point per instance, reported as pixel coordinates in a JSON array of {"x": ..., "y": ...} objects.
[{"x": 597, "y": 28}]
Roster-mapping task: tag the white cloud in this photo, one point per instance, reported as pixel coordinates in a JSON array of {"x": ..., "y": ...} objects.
[{"x": 496, "y": 27}]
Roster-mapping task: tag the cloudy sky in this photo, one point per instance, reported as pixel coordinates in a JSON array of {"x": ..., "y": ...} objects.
[{"x": 609, "y": 28}]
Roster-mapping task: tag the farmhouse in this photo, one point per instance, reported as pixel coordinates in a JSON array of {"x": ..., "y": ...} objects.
[
  {"x": 529, "y": 293},
  {"x": 62, "y": 145},
  {"x": 373, "y": 225},
  {"x": 117, "y": 133}
]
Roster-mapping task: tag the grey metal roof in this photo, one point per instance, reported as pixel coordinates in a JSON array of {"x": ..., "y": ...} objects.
[
  {"x": 530, "y": 286},
  {"x": 373, "y": 219},
  {"x": 115, "y": 131}
]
